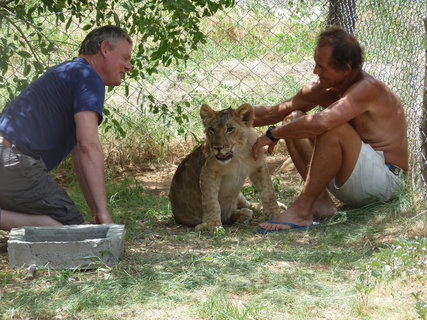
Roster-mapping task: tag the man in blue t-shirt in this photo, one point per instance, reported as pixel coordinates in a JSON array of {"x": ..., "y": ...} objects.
[{"x": 55, "y": 115}]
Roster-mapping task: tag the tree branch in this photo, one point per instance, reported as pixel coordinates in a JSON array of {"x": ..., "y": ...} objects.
[{"x": 18, "y": 28}]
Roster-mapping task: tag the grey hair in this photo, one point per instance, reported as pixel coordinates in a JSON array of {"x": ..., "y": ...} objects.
[{"x": 111, "y": 34}]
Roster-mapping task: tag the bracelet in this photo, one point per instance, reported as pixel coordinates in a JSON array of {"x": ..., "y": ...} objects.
[{"x": 270, "y": 135}]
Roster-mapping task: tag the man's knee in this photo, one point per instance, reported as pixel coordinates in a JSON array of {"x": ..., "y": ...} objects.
[
  {"x": 342, "y": 133},
  {"x": 345, "y": 140},
  {"x": 293, "y": 115}
]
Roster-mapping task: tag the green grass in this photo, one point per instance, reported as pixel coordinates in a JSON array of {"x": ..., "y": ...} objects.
[{"x": 359, "y": 264}]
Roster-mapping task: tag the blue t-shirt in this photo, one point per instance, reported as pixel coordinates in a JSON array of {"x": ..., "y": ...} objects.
[{"x": 40, "y": 121}]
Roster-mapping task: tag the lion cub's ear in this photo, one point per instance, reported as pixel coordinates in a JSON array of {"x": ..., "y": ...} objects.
[
  {"x": 206, "y": 113},
  {"x": 246, "y": 114}
]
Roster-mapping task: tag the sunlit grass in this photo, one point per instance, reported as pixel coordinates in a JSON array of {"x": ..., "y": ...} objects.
[{"x": 341, "y": 268}]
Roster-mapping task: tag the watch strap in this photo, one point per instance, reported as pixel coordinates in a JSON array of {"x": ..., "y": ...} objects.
[{"x": 270, "y": 135}]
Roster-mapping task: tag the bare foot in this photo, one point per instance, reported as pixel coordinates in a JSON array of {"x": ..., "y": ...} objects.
[
  {"x": 323, "y": 207},
  {"x": 291, "y": 216}
]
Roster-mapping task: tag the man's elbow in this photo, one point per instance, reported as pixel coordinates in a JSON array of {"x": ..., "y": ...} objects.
[
  {"x": 320, "y": 127},
  {"x": 85, "y": 147}
]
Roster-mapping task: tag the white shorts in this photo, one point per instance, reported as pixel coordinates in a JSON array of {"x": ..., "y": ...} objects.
[{"x": 370, "y": 181}]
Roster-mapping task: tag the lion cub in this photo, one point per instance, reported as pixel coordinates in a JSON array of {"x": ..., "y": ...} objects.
[{"x": 205, "y": 190}]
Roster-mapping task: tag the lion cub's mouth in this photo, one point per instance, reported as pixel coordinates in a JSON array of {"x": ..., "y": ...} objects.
[{"x": 224, "y": 157}]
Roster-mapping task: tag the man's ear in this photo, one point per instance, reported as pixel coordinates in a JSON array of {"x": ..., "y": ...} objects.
[
  {"x": 104, "y": 47},
  {"x": 348, "y": 68}
]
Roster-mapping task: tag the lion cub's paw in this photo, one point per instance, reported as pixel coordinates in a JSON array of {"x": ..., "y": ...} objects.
[
  {"x": 282, "y": 205},
  {"x": 242, "y": 215},
  {"x": 206, "y": 226}
]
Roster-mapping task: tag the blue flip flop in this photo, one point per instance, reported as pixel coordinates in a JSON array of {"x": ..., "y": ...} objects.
[{"x": 293, "y": 227}]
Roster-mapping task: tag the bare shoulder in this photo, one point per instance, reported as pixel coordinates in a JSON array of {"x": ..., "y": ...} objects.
[
  {"x": 314, "y": 94},
  {"x": 369, "y": 88},
  {"x": 310, "y": 95},
  {"x": 311, "y": 89}
]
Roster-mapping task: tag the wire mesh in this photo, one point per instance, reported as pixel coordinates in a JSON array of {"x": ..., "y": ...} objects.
[{"x": 261, "y": 52}]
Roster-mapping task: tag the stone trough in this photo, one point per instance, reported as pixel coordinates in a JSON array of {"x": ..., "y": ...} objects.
[{"x": 69, "y": 247}]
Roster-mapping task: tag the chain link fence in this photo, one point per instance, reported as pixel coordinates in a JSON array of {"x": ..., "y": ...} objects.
[{"x": 261, "y": 52}]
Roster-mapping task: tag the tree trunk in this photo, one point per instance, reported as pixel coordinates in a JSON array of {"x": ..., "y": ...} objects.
[{"x": 423, "y": 126}]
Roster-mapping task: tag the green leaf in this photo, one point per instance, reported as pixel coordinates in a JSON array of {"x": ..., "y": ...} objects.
[
  {"x": 27, "y": 69},
  {"x": 87, "y": 27},
  {"x": 24, "y": 54},
  {"x": 119, "y": 128},
  {"x": 67, "y": 26},
  {"x": 127, "y": 6},
  {"x": 3, "y": 66},
  {"x": 38, "y": 66},
  {"x": 116, "y": 19}
]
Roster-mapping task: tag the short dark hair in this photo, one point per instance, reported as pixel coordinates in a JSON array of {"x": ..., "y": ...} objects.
[
  {"x": 111, "y": 34},
  {"x": 345, "y": 48}
]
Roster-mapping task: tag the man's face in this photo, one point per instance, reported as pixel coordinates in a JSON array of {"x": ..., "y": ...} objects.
[
  {"x": 328, "y": 76},
  {"x": 117, "y": 63}
]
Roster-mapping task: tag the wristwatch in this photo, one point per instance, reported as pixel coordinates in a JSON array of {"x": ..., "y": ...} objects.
[{"x": 270, "y": 135}]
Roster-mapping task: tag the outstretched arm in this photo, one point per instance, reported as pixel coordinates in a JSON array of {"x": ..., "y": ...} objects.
[
  {"x": 88, "y": 161},
  {"x": 353, "y": 103},
  {"x": 304, "y": 100}
]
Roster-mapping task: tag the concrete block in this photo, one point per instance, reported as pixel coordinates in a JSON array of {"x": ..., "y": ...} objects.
[{"x": 69, "y": 247}]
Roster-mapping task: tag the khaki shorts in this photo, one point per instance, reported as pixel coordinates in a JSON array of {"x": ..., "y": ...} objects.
[
  {"x": 370, "y": 181},
  {"x": 27, "y": 187}
]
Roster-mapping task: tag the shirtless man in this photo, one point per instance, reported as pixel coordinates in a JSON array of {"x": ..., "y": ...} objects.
[{"x": 356, "y": 147}]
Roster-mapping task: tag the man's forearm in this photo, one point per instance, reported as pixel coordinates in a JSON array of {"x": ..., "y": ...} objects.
[
  {"x": 89, "y": 168},
  {"x": 305, "y": 126},
  {"x": 265, "y": 115}
]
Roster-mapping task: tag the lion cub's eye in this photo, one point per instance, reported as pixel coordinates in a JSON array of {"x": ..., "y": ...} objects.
[
  {"x": 230, "y": 129},
  {"x": 211, "y": 130}
]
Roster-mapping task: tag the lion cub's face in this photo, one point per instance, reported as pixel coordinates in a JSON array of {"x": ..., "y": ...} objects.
[{"x": 226, "y": 130}]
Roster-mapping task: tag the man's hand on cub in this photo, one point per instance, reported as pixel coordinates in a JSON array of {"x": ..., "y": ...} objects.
[{"x": 261, "y": 142}]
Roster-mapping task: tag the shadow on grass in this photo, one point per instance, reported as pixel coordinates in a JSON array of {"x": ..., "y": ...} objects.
[{"x": 167, "y": 265}]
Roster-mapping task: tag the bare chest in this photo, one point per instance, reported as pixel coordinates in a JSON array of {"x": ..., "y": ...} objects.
[
  {"x": 364, "y": 126},
  {"x": 378, "y": 130}
]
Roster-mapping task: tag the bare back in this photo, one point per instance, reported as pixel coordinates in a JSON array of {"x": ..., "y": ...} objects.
[{"x": 383, "y": 125}]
